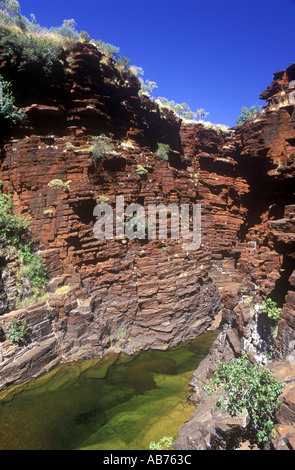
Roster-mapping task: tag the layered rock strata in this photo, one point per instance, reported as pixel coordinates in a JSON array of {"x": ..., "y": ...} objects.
[{"x": 134, "y": 294}]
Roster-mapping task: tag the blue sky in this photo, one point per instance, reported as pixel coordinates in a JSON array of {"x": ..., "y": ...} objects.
[{"x": 212, "y": 54}]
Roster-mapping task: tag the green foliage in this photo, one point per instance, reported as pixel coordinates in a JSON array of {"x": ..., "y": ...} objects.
[
  {"x": 12, "y": 227},
  {"x": 163, "y": 151},
  {"x": 108, "y": 49},
  {"x": 138, "y": 225},
  {"x": 102, "y": 199},
  {"x": 140, "y": 170},
  {"x": 248, "y": 113},
  {"x": 124, "y": 63},
  {"x": 30, "y": 48},
  {"x": 33, "y": 267},
  {"x": 17, "y": 331},
  {"x": 137, "y": 71},
  {"x": 120, "y": 335},
  {"x": 248, "y": 387},
  {"x": 164, "y": 444},
  {"x": 7, "y": 108},
  {"x": 100, "y": 147},
  {"x": 183, "y": 110},
  {"x": 148, "y": 87},
  {"x": 62, "y": 290},
  {"x": 13, "y": 232},
  {"x": 84, "y": 36},
  {"x": 270, "y": 308},
  {"x": 57, "y": 183},
  {"x": 67, "y": 30},
  {"x": 8, "y": 8}
]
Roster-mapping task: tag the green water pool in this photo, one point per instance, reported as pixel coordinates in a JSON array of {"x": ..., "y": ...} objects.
[{"x": 119, "y": 402}]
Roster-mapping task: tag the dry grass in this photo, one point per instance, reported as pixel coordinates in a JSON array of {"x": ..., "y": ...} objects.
[{"x": 51, "y": 37}]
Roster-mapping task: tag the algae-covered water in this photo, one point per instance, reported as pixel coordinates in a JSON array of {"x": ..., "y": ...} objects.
[{"x": 119, "y": 402}]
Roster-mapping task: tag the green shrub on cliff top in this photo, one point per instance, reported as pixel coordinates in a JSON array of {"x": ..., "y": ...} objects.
[
  {"x": 248, "y": 387},
  {"x": 17, "y": 331},
  {"x": 101, "y": 146},
  {"x": 32, "y": 268},
  {"x": 164, "y": 444},
  {"x": 8, "y": 8}
]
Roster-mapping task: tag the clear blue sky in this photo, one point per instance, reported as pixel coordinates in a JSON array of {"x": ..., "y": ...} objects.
[{"x": 213, "y": 54}]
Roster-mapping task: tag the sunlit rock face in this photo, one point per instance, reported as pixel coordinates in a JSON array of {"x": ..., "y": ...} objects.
[{"x": 134, "y": 294}]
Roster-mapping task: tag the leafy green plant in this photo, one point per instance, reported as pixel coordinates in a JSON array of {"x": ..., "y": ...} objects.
[
  {"x": 148, "y": 87},
  {"x": 164, "y": 444},
  {"x": 183, "y": 110},
  {"x": 57, "y": 183},
  {"x": 123, "y": 63},
  {"x": 48, "y": 212},
  {"x": 163, "y": 151},
  {"x": 29, "y": 301},
  {"x": 17, "y": 331},
  {"x": 248, "y": 113},
  {"x": 8, "y": 8},
  {"x": 7, "y": 108},
  {"x": 272, "y": 310},
  {"x": 13, "y": 232},
  {"x": 12, "y": 227},
  {"x": 109, "y": 50},
  {"x": 248, "y": 387},
  {"x": 33, "y": 268},
  {"x": 102, "y": 199},
  {"x": 67, "y": 30},
  {"x": 69, "y": 146},
  {"x": 30, "y": 48},
  {"x": 121, "y": 333},
  {"x": 101, "y": 146},
  {"x": 84, "y": 36},
  {"x": 62, "y": 290},
  {"x": 135, "y": 222}
]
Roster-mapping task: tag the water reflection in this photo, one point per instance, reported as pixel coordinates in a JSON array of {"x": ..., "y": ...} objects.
[{"x": 117, "y": 403}]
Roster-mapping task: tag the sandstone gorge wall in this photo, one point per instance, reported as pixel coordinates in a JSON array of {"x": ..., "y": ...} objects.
[{"x": 136, "y": 294}]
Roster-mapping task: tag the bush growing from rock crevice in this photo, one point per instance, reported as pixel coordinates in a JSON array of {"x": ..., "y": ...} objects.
[
  {"x": 163, "y": 151},
  {"x": 272, "y": 310},
  {"x": 7, "y": 108},
  {"x": 248, "y": 113},
  {"x": 14, "y": 233}
]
